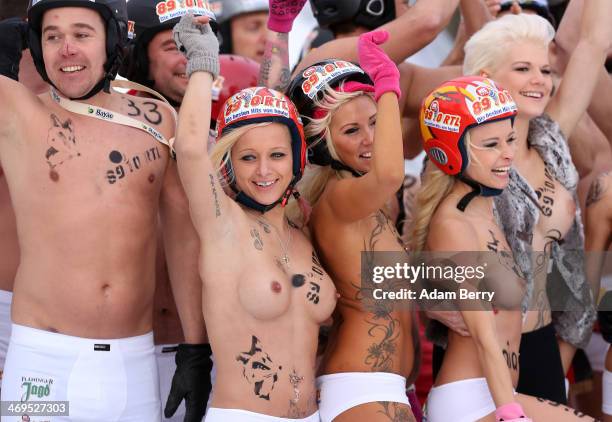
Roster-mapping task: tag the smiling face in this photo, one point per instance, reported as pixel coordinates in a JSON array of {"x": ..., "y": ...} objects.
[
  {"x": 526, "y": 72},
  {"x": 262, "y": 162},
  {"x": 74, "y": 49},
  {"x": 352, "y": 132},
  {"x": 492, "y": 147},
  {"x": 167, "y": 66}
]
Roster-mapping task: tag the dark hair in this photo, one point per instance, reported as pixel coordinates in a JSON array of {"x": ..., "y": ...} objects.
[{"x": 13, "y": 9}]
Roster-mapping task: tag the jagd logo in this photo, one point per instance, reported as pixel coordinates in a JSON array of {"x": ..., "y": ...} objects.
[{"x": 35, "y": 388}]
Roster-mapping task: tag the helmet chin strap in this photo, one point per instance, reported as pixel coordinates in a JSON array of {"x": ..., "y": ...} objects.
[
  {"x": 249, "y": 202},
  {"x": 477, "y": 189}
]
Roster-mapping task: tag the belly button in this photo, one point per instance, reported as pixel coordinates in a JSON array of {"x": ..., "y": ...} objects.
[{"x": 276, "y": 287}]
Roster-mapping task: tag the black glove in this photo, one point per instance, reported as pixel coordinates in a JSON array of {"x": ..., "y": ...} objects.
[
  {"x": 191, "y": 381},
  {"x": 605, "y": 317},
  {"x": 12, "y": 42}
]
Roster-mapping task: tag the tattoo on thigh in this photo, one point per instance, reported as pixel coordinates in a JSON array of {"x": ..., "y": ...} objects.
[
  {"x": 396, "y": 412},
  {"x": 258, "y": 369}
]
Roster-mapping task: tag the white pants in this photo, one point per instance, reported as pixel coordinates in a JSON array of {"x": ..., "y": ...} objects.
[
  {"x": 5, "y": 325},
  {"x": 166, "y": 366},
  {"x": 343, "y": 391},
  {"x": 459, "y": 401},
  {"x": 101, "y": 379},
  {"x": 216, "y": 414},
  {"x": 606, "y": 387}
]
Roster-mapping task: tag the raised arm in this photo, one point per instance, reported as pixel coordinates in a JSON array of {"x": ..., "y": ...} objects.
[
  {"x": 408, "y": 34},
  {"x": 191, "y": 380},
  {"x": 275, "y": 70},
  {"x": 12, "y": 43},
  {"x": 210, "y": 207},
  {"x": 586, "y": 61},
  {"x": 355, "y": 198},
  {"x": 474, "y": 15}
]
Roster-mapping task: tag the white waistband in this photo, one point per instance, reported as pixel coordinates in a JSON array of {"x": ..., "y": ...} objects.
[
  {"x": 342, "y": 391},
  {"x": 365, "y": 376},
  {"x": 166, "y": 349},
  {"x": 6, "y": 297},
  {"x": 33, "y": 337},
  {"x": 216, "y": 414}
]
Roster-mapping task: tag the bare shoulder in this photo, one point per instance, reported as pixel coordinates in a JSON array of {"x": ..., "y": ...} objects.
[
  {"x": 16, "y": 96},
  {"x": 450, "y": 230},
  {"x": 21, "y": 109}
]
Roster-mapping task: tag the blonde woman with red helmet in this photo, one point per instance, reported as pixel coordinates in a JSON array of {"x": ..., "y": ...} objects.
[
  {"x": 265, "y": 293},
  {"x": 468, "y": 133}
]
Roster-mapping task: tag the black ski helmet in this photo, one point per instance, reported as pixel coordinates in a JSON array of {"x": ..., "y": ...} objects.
[
  {"x": 308, "y": 87},
  {"x": 114, "y": 15},
  {"x": 146, "y": 19},
  {"x": 367, "y": 13}
]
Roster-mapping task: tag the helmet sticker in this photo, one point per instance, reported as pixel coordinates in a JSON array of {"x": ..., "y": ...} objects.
[
  {"x": 171, "y": 9},
  {"x": 433, "y": 117},
  {"x": 487, "y": 102},
  {"x": 318, "y": 76},
  {"x": 253, "y": 102},
  {"x": 131, "y": 31}
]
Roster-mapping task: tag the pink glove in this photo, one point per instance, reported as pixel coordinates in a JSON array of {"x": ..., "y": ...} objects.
[
  {"x": 283, "y": 13},
  {"x": 377, "y": 64},
  {"x": 511, "y": 412}
]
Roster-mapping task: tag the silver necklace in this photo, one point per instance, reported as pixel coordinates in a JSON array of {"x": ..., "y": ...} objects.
[{"x": 284, "y": 258}]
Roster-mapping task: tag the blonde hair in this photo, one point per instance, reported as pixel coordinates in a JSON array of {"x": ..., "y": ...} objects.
[
  {"x": 315, "y": 178},
  {"x": 435, "y": 186},
  {"x": 487, "y": 47},
  {"x": 220, "y": 153}
]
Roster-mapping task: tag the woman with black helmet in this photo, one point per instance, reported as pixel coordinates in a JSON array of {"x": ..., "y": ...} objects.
[
  {"x": 467, "y": 128},
  {"x": 263, "y": 310},
  {"x": 354, "y": 139}
]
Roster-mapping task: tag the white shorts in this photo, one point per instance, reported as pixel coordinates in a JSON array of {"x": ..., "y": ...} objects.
[
  {"x": 343, "y": 391},
  {"x": 102, "y": 380},
  {"x": 596, "y": 352},
  {"x": 460, "y": 401},
  {"x": 166, "y": 366},
  {"x": 5, "y": 325},
  {"x": 606, "y": 389},
  {"x": 216, "y": 414}
]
